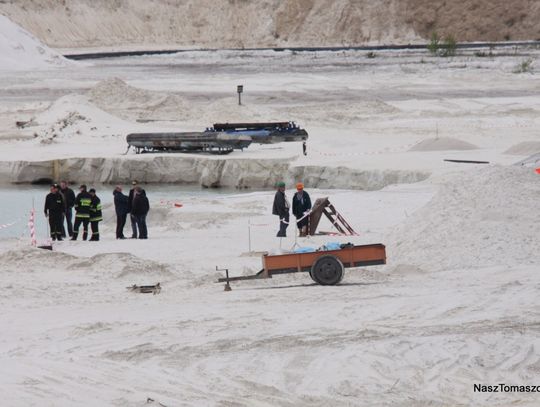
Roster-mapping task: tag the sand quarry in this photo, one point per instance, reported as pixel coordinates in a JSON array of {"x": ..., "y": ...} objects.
[{"x": 456, "y": 305}]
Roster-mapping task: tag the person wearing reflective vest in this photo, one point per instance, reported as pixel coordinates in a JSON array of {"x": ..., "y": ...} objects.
[
  {"x": 82, "y": 212},
  {"x": 95, "y": 215}
]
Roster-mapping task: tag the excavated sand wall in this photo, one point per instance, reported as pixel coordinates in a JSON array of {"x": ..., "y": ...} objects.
[
  {"x": 208, "y": 172},
  {"x": 269, "y": 23}
]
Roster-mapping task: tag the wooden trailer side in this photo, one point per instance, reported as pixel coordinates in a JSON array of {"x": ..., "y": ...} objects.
[{"x": 355, "y": 256}]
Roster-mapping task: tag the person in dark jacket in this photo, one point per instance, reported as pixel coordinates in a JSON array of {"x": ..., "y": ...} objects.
[
  {"x": 139, "y": 209},
  {"x": 130, "y": 204},
  {"x": 54, "y": 208},
  {"x": 281, "y": 208},
  {"x": 69, "y": 202},
  {"x": 83, "y": 201},
  {"x": 301, "y": 204},
  {"x": 121, "y": 207},
  {"x": 95, "y": 215}
]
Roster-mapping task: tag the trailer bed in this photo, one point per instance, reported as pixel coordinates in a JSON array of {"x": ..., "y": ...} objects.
[{"x": 325, "y": 267}]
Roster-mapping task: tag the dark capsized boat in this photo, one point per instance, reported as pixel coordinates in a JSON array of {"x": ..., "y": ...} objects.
[
  {"x": 264, "y": 133},
  {"x": 196, "y": 142},
  {"x": 222, "y": 138}
]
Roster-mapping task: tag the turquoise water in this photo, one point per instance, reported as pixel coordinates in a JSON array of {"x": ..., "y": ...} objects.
[{"x": 17, "y": 202}]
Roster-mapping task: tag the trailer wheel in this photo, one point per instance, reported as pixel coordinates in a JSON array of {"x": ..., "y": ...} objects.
[{"x": 327, "y": 270}]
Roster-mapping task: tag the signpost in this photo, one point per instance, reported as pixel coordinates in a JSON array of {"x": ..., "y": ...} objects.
[{"x": 240, "y": 89}]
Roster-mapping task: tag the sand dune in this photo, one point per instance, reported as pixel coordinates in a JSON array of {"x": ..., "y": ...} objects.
[{"x": 263, "y": 23}]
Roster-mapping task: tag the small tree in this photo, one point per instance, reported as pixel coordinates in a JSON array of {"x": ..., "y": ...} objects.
[
  {"x": 434, "y": 44},
  {"x": 446, "y": 48},
  {"x": 449, "y": 46}
]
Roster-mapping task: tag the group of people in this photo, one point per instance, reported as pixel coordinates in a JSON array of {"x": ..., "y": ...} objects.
[
  {"x": 59, "y": 205},
  {"x": 137, "y": 205},
  {"x": 301, "y": 207},
  {"x": 61, "y": 201}
]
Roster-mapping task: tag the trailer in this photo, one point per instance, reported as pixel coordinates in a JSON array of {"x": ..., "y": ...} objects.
[{"x": 325, "y": 267}]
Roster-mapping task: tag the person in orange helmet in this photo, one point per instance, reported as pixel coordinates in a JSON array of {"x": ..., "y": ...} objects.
[{"x": 301, "y": 205}]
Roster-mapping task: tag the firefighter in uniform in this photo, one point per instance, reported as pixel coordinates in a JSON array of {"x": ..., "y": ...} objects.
[
  {"x": 54, "y": 209},
  {"x": 95, "y": 215},
  {"x": 82, "y": 212}
]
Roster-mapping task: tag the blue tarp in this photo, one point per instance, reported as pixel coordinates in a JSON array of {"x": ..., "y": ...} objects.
[{"x": 305, "y": 250}]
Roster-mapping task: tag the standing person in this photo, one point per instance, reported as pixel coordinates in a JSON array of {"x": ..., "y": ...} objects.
[
  {"x": 139, "y": 210},
  {"x": 54, "y": 208},
  {"x": 301, "y": 204},
  {"x": 69, "y": 202},
  {"x": 95, "y": 215},
  {"x": 121, "y": 207},
  {"x": 281, "y": 208},
  {"x": 82, "y": 212},
  {"x": 304, "y": 148},
  {"x": 130, "y": 203}
]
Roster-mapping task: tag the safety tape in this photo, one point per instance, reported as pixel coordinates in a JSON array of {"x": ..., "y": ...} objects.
[
  {"x": 259, "y": 224},
  {"x": 398, "y": 149},
  {"x": 7, "y": 225}
]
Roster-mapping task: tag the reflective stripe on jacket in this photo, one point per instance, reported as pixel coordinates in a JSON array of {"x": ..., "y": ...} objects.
[
  {"x": 95, "y": 210},
  {"x": 82, "y": 205}
]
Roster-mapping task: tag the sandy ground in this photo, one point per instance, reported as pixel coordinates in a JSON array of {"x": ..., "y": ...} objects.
[
  {"x": 410, "y": 333},
  {"x": 456, "y": 305}
]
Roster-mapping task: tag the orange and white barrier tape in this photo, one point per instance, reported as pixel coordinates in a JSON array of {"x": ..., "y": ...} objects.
[
  {"x": 399, "y": 149},
  {"x": 258, "y": 224},
  {"x": 7, "y": 225}
]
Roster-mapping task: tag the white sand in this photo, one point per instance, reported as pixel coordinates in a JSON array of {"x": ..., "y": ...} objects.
[
  {"x": 442, "y": 144},
  {"x": 524, "y": 148},
  {"x": 20, "y": 50},
  {"x": 486, "y": 217},
  {"x": 424, "y": 330}
]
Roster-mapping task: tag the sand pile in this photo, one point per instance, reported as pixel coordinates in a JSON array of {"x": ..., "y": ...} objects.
[
  {"x": 442, "y": 144},
  {"x": 29, "y": 259},
  {"x": 102, "y": 266},
  {"x": 116, "y": 96},
  {"x": 478, "y": 218},
  {"x": 525, "y": 148},
  {"x": 73, "y": 116},
  {"x": 20, "y": 50},
  {"x": 350, "y": 112},
  {"x": 227, "y": 110}
]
